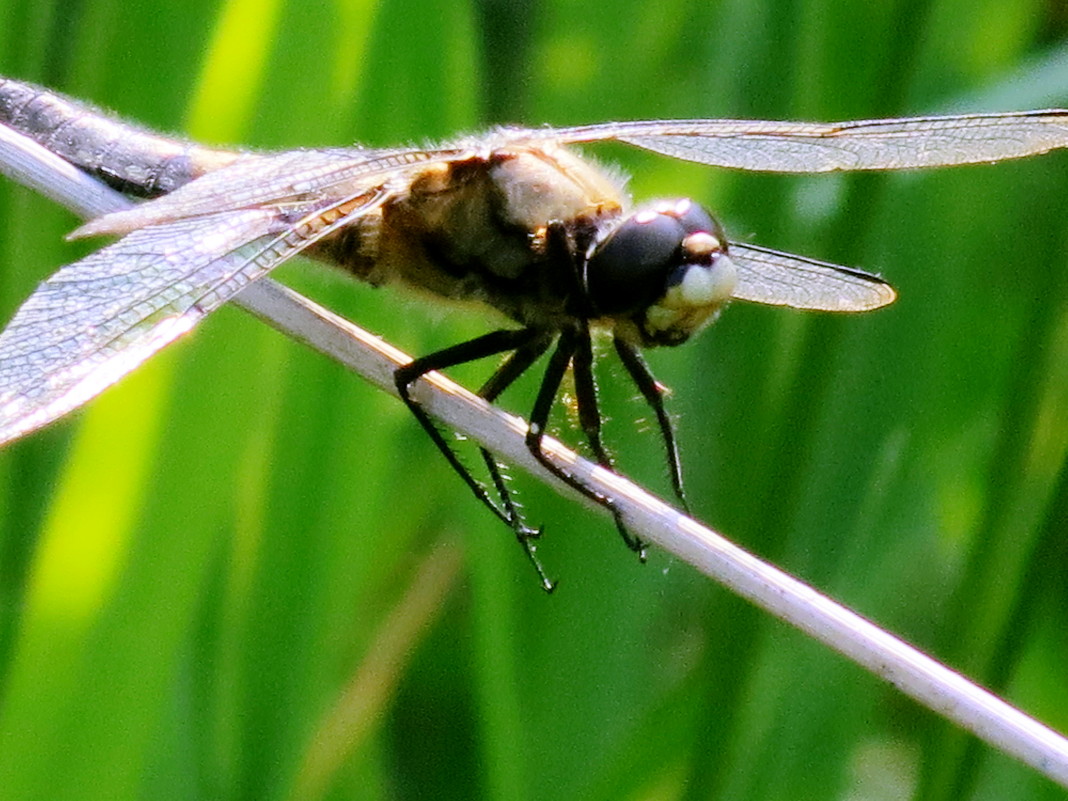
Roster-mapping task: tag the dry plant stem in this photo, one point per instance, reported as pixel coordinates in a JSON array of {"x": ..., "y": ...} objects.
[{"x": 917, "y": 675}]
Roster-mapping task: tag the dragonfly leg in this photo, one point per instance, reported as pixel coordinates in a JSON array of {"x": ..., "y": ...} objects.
[
  {"x": 653, "y": 392},
  {"x": 528, "y": 345},
  {"x": 574, "y": 347},
  {"x": 590, "y": 420},
  {"x": 517, "y": 363}
]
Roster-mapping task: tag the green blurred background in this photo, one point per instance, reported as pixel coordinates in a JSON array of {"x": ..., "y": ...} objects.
[{"x": 244, "y": 574}]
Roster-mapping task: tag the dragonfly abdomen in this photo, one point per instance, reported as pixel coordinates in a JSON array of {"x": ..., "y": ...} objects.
[{"x": 133, "y": 161}]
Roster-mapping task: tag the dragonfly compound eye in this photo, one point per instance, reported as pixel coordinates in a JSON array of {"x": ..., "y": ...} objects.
[{"x": 665, "y": 267}]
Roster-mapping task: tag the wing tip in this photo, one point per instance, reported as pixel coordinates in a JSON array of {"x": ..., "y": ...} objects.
[{"x": 884, "y": 295}]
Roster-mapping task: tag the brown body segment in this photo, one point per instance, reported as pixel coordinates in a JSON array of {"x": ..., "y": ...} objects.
[{"x": 475, "y": 230}]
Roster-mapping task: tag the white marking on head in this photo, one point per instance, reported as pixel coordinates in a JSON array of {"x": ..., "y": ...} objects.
[{"x": 694, "y": 301}]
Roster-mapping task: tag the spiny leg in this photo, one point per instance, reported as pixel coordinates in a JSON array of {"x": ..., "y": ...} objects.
[
  {"x": 590, "y": 420},
  {"x": 653, "y": 393},
  {"x": 550, "y": 386},
  {"x": 403, "y": 377},
  {"x": 529, "y": 344},
  {"x": 505, "y": 375},
  {"x": 586, "y": 397}
]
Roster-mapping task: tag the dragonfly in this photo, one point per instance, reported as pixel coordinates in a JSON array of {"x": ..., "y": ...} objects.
[{"x": 515, "y": 219}]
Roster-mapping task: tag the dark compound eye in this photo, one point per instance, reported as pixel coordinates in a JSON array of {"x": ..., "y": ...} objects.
[
  {"x": 630, "y": 268},
  {"x": 692, "y": 217}
]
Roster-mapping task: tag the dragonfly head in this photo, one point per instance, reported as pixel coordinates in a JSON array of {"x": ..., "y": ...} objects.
[{"x": 661, "y": 274}]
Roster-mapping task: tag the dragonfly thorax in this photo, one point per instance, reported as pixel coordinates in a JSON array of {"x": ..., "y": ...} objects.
[{"x": 509, "y": 229}]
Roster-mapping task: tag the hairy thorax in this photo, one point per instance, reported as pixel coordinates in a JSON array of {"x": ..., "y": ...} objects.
[{"x": 477, "y": 230}]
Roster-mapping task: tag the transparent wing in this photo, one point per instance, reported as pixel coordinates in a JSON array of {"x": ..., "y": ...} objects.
[
  {"x": 782, "y": 279},
  {"x": 95, "y": 320},
  {"x": 296, "y": 177},
  {"x": 891, "y": 144}
]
